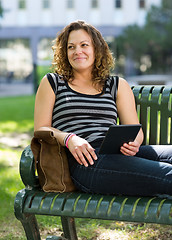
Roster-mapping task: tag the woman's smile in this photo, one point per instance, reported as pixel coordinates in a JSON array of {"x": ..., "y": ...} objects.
[{"x": 79, "y": 58}]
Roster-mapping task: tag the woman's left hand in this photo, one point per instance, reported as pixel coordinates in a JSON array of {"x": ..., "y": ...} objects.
[{"x": 130, "y": 149}]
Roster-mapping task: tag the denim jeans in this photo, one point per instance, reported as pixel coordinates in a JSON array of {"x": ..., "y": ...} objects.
[{"x": 149, "y": 173}]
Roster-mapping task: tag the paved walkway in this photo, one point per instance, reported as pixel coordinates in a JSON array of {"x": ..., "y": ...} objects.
[{"x": 15, "y": 89}]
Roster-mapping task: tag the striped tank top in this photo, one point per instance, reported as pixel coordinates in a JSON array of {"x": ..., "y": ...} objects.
[{"x": 88, "y": 116}]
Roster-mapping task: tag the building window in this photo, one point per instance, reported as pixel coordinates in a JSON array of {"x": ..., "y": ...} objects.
[
  {"x": 22, "y": 4},
  {"x": 94, "y": 4},
  {"x": 141, "y": 3},
  {"x": 70, "y": 3},
  {"x": 46, "y": 4},
  {"x": 118, "y": 4}
]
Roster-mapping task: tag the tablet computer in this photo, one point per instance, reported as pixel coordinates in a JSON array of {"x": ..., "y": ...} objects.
[{"x": 116, "y": 136}]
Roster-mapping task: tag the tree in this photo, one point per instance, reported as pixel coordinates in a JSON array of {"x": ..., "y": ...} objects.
[
  {"x": 1, "y": 10},
  {"x": 153, "y": 39},
  {"x": 158, "y": 30},
  {"x": 132, "y": 38}
]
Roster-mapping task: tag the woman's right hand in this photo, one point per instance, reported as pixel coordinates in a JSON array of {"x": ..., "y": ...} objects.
[{"x": 82, "y": 151}]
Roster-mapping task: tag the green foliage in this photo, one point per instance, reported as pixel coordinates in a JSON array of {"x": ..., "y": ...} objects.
[
  {"x": 1, "y": 10},
  {"x": 167, "y": 4},
  {"x": 42, "y": 71},
  {"x": 158, "y": 29},
  {"x": 153, "y": 39},
  {"x": 132, "y": 38}
]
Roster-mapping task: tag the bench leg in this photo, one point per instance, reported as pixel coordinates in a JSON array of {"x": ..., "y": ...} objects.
[
  {"x": 31, "y": 227},
  {"x": 28, "y": 221},
  {"x": 69, "y": 229}
]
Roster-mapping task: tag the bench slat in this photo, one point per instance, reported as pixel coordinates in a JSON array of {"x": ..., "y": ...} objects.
[
  {"x": 166, "y": 114},
  {"x": 83, "y": 205}
]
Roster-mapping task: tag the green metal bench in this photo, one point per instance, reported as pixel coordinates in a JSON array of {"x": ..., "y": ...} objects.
[{"x": 154, "y": 106}]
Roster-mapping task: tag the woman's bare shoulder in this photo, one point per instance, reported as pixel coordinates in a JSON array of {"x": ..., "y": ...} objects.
[
  {"x": 45, "y": 86},
  {"x": 123, "y": 85}
]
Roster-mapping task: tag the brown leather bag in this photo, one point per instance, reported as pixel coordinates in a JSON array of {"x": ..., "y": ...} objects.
[{"x": 51, "y": 163}]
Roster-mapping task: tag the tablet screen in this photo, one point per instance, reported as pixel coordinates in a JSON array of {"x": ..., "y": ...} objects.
[{"x": 116, "y": 136}]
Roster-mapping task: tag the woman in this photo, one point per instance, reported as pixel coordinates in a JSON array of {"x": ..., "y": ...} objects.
[{"x": 80, "y": 101}]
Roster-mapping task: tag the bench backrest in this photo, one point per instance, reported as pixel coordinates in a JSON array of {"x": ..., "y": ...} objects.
[{"x": 154, "y": 107}]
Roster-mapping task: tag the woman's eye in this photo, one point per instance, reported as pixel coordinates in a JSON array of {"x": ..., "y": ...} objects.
[
  {"x": 70, "y": 47},
  {"x": 84, "y": 44}
]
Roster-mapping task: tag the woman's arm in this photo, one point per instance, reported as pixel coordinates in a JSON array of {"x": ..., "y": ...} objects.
[
  {"x": 128, "y": 115},
  {"x": 44, "y": 103}
]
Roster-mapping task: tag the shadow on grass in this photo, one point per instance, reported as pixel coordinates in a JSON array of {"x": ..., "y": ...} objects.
[{"x": 4, "y": 167}]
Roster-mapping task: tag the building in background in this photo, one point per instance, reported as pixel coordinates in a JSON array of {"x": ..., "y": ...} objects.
[
  {"x": 38, "y": 20},
  {"x": 57, "y": 13}
]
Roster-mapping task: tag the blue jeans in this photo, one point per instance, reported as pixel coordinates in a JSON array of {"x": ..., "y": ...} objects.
[{"x": 149, "y": 173}]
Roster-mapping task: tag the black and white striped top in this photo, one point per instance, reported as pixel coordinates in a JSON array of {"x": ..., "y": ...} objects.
[{"x": 88, "y": 116}]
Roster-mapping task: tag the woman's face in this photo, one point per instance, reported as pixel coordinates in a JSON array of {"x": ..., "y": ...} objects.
[{"x": 80, "y": 51}]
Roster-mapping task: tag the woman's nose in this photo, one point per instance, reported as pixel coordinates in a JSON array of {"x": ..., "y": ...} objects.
[{"x": 78, "y": 50}]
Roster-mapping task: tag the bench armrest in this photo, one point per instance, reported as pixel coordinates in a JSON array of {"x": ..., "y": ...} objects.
[{"x": 27, "y": 169}]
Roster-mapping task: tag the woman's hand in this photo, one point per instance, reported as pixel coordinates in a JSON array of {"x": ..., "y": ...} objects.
[
  {"x": 82, "y": 151},
  {"x": 130, "y": 149}
]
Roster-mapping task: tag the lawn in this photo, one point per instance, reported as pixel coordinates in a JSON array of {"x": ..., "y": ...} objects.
[
  {"x": 16, "y": 130},
  {"x": 16, "y": 114}
]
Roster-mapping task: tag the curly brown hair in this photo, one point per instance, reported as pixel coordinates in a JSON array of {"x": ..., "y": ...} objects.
[{"x": 104, "y": 60}]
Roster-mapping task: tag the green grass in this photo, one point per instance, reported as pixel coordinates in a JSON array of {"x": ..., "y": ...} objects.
[
  {"x": 16, "y": 114},
  {"x": 8, "y": 179},
  {"x": 10, "y": 184},
  {"x": 16, "y": 117}
]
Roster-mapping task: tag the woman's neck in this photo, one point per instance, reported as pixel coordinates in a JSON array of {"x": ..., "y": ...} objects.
[
  {"x": 85, "y": 77},
  {"x": 83, "y": 83}
]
